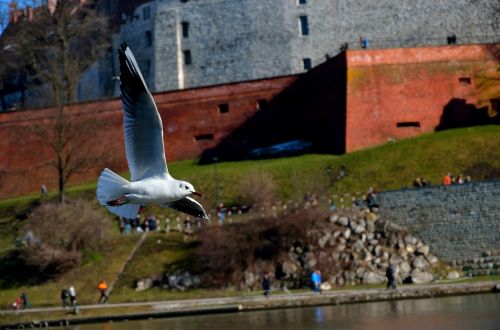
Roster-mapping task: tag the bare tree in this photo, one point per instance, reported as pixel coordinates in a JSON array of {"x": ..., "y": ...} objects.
[{"x": 55, "y": 45}]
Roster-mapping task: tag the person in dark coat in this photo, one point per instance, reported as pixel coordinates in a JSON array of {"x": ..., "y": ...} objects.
[
  {"x": 391, "y": 280},
  {"x": 64, "y": 297},
  {"x": 266, "y": 284}
]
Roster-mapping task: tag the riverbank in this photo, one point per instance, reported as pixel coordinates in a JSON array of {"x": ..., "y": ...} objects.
[{"x": 52, "y": 316}]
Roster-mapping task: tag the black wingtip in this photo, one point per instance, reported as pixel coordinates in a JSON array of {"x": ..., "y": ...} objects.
[{"x": 124, "y": 46}]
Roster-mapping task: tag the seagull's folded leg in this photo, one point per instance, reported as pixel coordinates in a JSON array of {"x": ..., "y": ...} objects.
[{"x": 118, "y": 202}]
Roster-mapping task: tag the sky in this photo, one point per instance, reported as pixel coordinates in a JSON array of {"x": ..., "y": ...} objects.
[{"x": 4, "y": 11}]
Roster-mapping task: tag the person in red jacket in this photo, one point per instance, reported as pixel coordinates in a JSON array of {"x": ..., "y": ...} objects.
[{"x": 447, "y": 179}]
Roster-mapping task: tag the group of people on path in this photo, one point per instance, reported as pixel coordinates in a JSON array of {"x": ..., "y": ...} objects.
[
  {"x": 70, "y": 294},
  {"x": 21, "y": 302},
  {"x": 316, "y": 281},
  {"x": 449, "y": 179}
]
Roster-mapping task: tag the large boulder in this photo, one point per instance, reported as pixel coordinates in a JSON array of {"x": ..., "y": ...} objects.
[
  {"x": 144, "y": 284},
  {"x": 289, "y": 268},
  {"x": 419, "y": 277},
  {"x": 453, "y": 275},
  {"x": 404, "y": 269},
  {"x": 249, "y": 278},
  {"x": 420, "y": 263},
  {"x": 326, "y": 286},
  {"x": 431, "y": 259},
  {"x": 373, "y": 278},
  {"x": 396, "y": 259},
  {"x": 359, "y": 229},
  {"x": 343, "y": 221},
  {"x": 423, "y": 250},
  {"x": 410, "y": 248},
  {"x": 409, "y": 239}
]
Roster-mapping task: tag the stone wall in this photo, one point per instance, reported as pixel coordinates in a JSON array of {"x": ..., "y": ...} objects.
[
  {"x": 460, "y": 222},
  {"x": 251, "y": 39}
]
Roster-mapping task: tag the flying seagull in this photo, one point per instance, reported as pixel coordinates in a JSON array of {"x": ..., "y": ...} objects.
[{"x": 150, "y": 181}]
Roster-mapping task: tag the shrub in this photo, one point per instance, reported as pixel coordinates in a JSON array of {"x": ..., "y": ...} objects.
[
  {"x": 227, "y": 251},
  {"x": 56, "y": 235},
  {"x": 258, "y": 188}
]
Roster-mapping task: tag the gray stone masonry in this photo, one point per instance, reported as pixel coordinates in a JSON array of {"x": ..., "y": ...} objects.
[
  {"x": 461, "y": 223},
  {"x": 252, "y": 39}
]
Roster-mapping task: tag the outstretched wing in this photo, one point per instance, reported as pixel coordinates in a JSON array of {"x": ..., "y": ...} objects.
[
  {"x": 189, "y": 206},
  {"x": 142, "y": 123}
]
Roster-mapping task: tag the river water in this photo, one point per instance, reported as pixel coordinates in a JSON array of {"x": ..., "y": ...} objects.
[{"x": 460, "y": 312}]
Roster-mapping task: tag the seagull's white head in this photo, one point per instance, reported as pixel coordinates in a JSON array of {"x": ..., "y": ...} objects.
[{"x": 186, "y": 189}]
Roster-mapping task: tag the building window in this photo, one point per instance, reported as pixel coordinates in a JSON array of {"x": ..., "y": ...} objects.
[
  {"x": 187, "y": 57},
  {"x": 307, "y": 63},
  {"x": 465, "y": 80},
  {"x": 184, "y": 1},
  {"x": 302, "y": 2},
  {"x": 223, "y": 108},
  {"x": 146, "y": 13},
  {"x": 185, "y": 29},
  {"x": 408, "y": 124},
  {"x": 261, "y": 104},
  {"x": 304, "y": 26},
  {"x": 149, "y": 39},
  {"x": 452, "y": 39},
  {"x": 204, "y": 137}
]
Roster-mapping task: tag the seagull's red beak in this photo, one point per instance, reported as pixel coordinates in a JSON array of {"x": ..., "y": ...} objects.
[{"x": 196, "y": 193}]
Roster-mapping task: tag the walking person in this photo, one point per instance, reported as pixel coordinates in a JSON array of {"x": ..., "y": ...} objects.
[
  {"x": 103, "y": 288},
  {"x": 391, "y": 280},
  {"x": 316, "y": 281},
  {"x": 24, "y": 299},
  {"x": 72, "y": 295},
  {"x": 266, "y": 284},
  {"x": 64, "y": 297}
]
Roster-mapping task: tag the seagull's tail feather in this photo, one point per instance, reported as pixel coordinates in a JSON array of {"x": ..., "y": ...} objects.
[
  {"x": 110, "y": 187},
  {"x": 128, "y": 211}
]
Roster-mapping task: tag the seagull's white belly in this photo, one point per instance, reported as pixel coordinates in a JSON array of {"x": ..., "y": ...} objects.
[{"x": 157, "y": 191}]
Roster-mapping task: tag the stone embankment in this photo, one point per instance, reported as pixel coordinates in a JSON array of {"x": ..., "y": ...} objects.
[
  {"x": 459, "y": 222},
  {"x": 351, "y": 247}
]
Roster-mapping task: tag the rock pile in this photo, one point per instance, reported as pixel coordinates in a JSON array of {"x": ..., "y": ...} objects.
[
  {"x": 358, "y": 248},
  {"x": 176, "y": 280}
]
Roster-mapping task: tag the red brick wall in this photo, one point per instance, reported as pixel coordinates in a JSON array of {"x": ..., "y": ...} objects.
[
  {"x": 390, "y": 86},
  {"x": 24, "y": 161}
]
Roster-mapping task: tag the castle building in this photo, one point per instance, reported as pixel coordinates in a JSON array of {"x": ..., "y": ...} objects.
[{"x": 190, "y": 43}]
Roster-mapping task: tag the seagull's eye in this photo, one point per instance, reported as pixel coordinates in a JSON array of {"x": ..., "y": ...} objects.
[{"x": 186, "y": 187}]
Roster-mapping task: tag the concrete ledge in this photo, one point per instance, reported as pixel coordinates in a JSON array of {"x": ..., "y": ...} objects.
[{"x": 236, "y": 304}]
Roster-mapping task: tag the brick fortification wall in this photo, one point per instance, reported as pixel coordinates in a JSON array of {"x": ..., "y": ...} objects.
[
  {"x": 357, "y": 99},
  {"x": 192, "y": 122},
  {"x": 459, "y": 222}
]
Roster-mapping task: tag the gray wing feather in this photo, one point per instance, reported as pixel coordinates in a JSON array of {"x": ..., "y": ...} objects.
[
  {"x": 189, "y": 206},
  {"x": 142, "y": 122}
]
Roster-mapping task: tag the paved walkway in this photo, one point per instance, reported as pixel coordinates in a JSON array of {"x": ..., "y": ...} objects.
[{"x": 280, "y": 299}]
